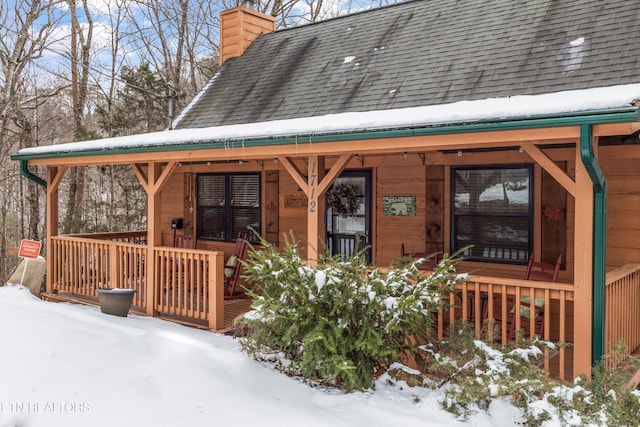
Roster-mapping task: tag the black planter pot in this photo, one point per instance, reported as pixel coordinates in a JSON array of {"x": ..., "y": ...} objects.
[{"x": 115, "y": 301}]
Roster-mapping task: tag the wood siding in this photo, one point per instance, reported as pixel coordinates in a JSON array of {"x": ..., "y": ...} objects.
[
  {"x": 395, "y": 176},
  {"x": 623, "y": 210},
  {"x": 392, "y": 231}
]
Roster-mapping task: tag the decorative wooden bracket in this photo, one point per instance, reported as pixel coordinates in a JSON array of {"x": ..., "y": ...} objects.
[
  {"x": 314, "y": 185},
  {"x": 324, "y": 184},
  {"x": 153, "y": 181},
  {"x": 296, "y": 174},
  {"x": 548, "y": 165},
  {"x": 56, "y": 178}
]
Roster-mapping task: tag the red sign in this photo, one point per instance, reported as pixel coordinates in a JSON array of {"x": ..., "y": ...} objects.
[{"x": 29, "y": 249}]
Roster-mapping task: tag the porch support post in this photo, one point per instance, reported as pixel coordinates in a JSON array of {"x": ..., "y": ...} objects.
[
  {"x": 54, "y": 177},
  {"x": 316, "y": 210},
  {"x": 153, "y": 236},
  {"x": 215, "y": 314},
  {"x": 153, "y": 181},
  {"x": 583, "y": 268}
]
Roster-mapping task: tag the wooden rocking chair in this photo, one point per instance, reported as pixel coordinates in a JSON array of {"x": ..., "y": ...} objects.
[
  {"x": 184, "y": 241},
  {"x": 536, "y": 270},
  {"x": 233, "y": 266},
  {"x": 431, "y": 259},
  {"x": 181, "y": 268}
]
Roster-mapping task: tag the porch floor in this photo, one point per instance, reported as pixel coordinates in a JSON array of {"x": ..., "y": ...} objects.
[{"x": 232, "y": 309}]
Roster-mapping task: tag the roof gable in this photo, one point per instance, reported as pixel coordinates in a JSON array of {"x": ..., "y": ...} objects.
[{"x": 425, "y": 52}]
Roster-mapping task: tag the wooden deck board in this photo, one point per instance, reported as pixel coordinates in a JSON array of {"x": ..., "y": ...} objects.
[{"x": 233, "y": 309}]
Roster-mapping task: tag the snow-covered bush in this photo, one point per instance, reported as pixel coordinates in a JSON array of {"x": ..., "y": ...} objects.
[
  {"x": 340, "y": 322},
  {"x": 473, "y": 373}
]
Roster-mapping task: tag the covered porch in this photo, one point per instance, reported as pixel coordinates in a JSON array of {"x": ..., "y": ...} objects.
[{"x": 186, "y": 285}]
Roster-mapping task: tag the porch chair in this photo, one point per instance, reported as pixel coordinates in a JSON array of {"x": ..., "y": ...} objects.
[
  {"x": 183, "y": 241},
  {"x": 536, "y": 270},
  {"x": 432, "y": 259},
  {"x": 233, "y": 266}
]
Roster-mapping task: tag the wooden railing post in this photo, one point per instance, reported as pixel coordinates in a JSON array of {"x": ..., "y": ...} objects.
[
  {"x": 114, "y": 268},
  {"x": 150, "y": 281},
  {"x": 215, "y": 290}
]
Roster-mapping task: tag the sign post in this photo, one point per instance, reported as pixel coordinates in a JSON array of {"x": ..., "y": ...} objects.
[{"x": 29, "y": 249}]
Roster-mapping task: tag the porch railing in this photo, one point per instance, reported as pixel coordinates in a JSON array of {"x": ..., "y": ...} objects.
[
  {"x": 622, "y": 305},
  {"x": 500, "y": 298},
  {"x": 81, "y": 266},
  {"x": 186, "y": 283}
]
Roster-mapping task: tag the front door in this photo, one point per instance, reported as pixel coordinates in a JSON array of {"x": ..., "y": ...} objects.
[{"x": 349, "y": 214}]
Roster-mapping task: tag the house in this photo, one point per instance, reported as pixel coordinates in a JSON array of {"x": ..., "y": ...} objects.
[{"x": 511, "y": 126}]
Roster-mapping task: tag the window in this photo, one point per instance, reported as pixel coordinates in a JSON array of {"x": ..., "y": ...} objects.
[
  {"x": 227, "y": 204},
  {"x": 491, "y": 209}
]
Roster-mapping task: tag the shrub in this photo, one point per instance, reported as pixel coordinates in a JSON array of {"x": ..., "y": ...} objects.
[
  {"x": 339, "y": 322},
  {"x": 472, "y": 373},
  {"x": 480, "y": 372},
  {"x": 605, "y": 398}
]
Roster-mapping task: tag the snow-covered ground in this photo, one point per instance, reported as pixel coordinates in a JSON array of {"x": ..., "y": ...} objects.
[{"x": 70, "y": 365}]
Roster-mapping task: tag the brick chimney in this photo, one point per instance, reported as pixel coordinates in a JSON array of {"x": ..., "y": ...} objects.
[{"x": 239, "y": 27}]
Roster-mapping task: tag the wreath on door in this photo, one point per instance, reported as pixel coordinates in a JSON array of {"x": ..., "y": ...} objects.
[{"x": 343, "y": 200}]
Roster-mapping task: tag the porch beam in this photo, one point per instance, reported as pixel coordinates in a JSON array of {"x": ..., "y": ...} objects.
[
  {"x": 616, "y": 129},
  {"x": 260, "y": 151},
  {"x": 548, "y": 165}
]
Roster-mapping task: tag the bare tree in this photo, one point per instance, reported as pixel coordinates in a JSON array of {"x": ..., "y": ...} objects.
[
  {"x": 174, "y": 37},
  {"x": 26, "y": 29},
  {"x": 296, "y": 12},
  {"x": 81, "y": 37},
  {"x": 20, "y": 46}
]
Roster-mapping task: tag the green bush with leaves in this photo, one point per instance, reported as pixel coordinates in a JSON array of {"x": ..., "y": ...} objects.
[
  {"x": 340, "y": 322},
  {"x": 472, "y": 373}
]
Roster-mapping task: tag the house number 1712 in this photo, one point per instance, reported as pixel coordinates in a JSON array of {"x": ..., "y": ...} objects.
[{"x": 312, "y": 188}]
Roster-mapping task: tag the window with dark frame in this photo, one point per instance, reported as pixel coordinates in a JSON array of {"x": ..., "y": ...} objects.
[
  {"x": 227, "y": 204},
  {"x": 492, "y": 212}
]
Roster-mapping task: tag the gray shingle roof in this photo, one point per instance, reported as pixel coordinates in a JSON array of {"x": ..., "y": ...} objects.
[{"x": 426, "y": 52}]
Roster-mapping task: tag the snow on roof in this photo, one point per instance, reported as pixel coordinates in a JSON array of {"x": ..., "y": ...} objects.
[{"x": 498, "y": 109}]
